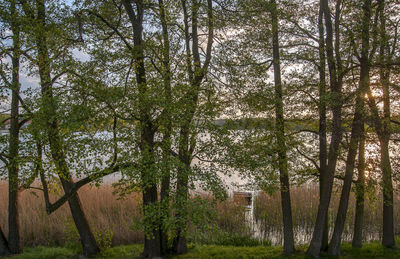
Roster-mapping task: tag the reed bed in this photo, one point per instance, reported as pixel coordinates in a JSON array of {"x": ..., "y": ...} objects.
[
  {"x": 305, "y": 201},
  {"x": 110, "y": 217},
  {"x": 225, "y": 222}
]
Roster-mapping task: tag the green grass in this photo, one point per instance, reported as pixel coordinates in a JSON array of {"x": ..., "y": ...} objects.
[{"x": 370, "y": 250}]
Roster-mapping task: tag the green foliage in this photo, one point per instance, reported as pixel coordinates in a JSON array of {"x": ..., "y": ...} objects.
[
  {"x": 104, "y": 237},
  {"x": 71, "y": 233}
]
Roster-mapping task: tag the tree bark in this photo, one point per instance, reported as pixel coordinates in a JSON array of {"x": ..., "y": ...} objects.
[
  {"x": 356, "y": 131},
  {"x": 14, "y": 240},
  {"x": 360, "y": 194},
  {"x": 4, "y": 250},
  {"x": 388, "y": 238},
  {"x": 49, "y": 107},
  {"x": 323, "y": 154},
  {"x": 152, "y": 243},
  {"x": 288, "y": 244},
  {"x": 187, "y": 140},
  {"x": 167, "y": 121},
  {"x": 382, "y": 128},
  {"x": 336, "y": 107}
]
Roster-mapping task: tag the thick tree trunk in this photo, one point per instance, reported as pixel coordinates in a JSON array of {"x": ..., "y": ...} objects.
[
  {"x": 14, "y": 242},
  {"x": 4, "y": 250},
  {"x": 89, "y": 245},
  {"x": 336, "y": 107},
  {"x": 288, "y": 243},
  {"x": 356, "y": 132},
  {"x": 152, "y": 242},
  {"x": 88, "y": 241},
  {"x": 323, "y": 154},
  {"x": 182, "y": 190},
  {"x": 360, "y": 194},
  {"x": 151, "y": 214}
]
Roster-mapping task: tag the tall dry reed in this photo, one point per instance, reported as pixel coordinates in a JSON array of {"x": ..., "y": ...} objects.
[
  {"x": 109, "y": 214},
  {"x": 305, "y": 201},
  {"x": 105, "y": 212}
]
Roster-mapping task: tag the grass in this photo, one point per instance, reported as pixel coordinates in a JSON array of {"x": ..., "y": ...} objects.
[{"x": 370, "y": 250}]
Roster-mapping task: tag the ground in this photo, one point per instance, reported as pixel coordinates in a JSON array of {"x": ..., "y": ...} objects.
[{"x": 371, "y": 250}]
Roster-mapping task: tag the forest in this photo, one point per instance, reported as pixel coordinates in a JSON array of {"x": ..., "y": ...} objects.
[{"x": 170, "y": 128}]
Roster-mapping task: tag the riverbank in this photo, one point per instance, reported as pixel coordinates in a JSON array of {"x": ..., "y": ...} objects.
[{"x": 370, "y": 250}]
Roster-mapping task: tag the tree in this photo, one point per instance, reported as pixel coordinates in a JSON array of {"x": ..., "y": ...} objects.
[
  {"x": 360, "y": 193},
  {"x": 12, "y": 22},
  {"x": 382, "y": 127},
  {"x": 356, "y": 131},
  {"x": 14, "y": 240},
  {"x": 187, "y": 140},
  {"x": 4, "y": 250},
  {"x": 48, "y": 108},
  {"x": 288, "y": 245},
  {"x": 336, "y": 76}
]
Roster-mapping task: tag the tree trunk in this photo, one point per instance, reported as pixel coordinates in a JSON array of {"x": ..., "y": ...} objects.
[
  {"x": 182, "y": 190},
  {"x": 322, "y": 120},
  {"x": 385, "y": 54},
  {"x": 152, "y": 241},
  {"x": 336, "y": 107},
  {"x": 151, "y": 214},
  {"x": 49, "y": 106},
  {"x": 14, "y": 240},
  {"x": 288, "y": 244},
  {"x": 334, "y": 247},
  {"x": 4, "y": 250},
  {"x": 360, "y": 195},
  {"x": 167, "y": 121},
  {"x": 388, "y": 239},
  {"x": 356, "y": 132},
  {"x": 187, "y": 141}
]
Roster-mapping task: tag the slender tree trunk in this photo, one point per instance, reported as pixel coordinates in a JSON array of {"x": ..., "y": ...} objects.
[
  {"x": 356, "y": 132},
  {"x": 14, "y": 242},
  {"x": 336, "y": 107},
  {"x": 388, "y": 222},
  {"x": 360, "y": 194},
  {"x": 57, "y": 152},
  {"x": 388, "y": 238},
  {"x": 4, "y": 250},
  {"x": 323, "y": 154},
  {"x": 167, "y": 121},
  {"x": 288, "y": 244}
]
